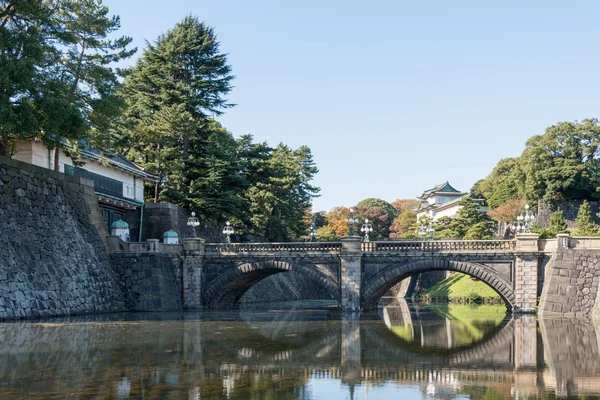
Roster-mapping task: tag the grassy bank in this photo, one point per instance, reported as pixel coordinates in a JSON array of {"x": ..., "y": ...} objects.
[{"x": 460, "y": 288}]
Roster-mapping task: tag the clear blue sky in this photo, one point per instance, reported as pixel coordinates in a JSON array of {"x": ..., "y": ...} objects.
[{"x": 394, "y": 97}]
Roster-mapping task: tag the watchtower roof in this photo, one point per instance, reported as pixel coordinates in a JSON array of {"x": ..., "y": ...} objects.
[{"x": 442, "y": 188}]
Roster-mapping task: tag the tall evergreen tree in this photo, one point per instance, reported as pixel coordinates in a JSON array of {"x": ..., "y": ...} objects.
[
  {"x": 277, "y": 201},
  {"x": 185, "y": 72}
]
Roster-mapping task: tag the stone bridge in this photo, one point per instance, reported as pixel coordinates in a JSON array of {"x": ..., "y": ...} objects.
[{"x": 358, "y": 274}]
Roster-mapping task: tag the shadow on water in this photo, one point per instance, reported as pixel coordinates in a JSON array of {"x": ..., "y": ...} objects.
[{"x": 300, "y": 351}]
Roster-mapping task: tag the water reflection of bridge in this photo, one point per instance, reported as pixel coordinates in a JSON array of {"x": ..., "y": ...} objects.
[{"x": 272, "y": 350}]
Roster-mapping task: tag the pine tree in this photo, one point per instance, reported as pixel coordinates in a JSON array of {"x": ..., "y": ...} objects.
[
  {"x": 184, "y": 72},
  {"x": 467, "y": 217},
  {"x": 585, "y": 224},
  {"x": 557, "y": 224},
  {"x": 281, "y": 192}
]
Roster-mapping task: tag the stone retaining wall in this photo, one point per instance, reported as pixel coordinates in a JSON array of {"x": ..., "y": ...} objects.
[
  {"x": 570, "y": 209},
  {"x": 149, "y": 282},
  {"x": 53, "y": 258},
  {"x": 572, "y": 281}
]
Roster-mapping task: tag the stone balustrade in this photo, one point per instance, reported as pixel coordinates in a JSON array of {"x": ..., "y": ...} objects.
[
  {"x": 549, "y": 246},
  {"x": 292, "y": 247},
  {"x": 440, "y": 245}
]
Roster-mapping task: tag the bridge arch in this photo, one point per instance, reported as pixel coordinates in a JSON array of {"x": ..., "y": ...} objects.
[
  {"x": 229, "y": 287},
  {"x": 379, "y": 284},
  {"x": 499, "y": 342}
]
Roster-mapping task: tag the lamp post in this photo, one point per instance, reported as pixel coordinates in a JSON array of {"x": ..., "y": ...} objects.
[
  {"x": 193, "y": 222},
  {"x": 313, "y": 230},
  {"x": 524, "y": 221},
  {"x": 366, "y": 229},
  {"x": 228, "y": 231},
  {"x": 351, "y": 221}
]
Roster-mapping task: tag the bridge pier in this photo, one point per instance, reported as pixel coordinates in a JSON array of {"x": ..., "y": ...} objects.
[
  {"x": 193, "y": 260},
  {"x": 350, "y": 273},
  {"x": 526, "y": 273}
]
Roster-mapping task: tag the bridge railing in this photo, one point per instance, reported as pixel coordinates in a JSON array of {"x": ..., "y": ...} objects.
[
  {"x": 292, "y": 247},
  {"x": 440, "y": 245}
]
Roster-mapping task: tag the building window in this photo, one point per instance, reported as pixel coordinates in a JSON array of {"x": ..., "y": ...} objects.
[{"x": 102, "y": 184}]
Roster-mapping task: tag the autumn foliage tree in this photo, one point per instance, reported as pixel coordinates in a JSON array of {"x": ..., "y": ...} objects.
[
  {"x": 378, "y": 218},
  {"x": 402, "y": 223},
  {"x": 507, "y": 211},
  {"x": 402, "y": 205},
  {"x": 335, "y": 221}
]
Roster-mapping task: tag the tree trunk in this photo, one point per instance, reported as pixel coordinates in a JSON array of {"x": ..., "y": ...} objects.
[
  {"x": 156, "y": 189},
  {"x": 4, "y": 150},
  {"x": 56, "y": 157}
]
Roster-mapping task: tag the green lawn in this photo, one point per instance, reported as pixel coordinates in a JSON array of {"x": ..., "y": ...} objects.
[{"x": 461, "y": 288}]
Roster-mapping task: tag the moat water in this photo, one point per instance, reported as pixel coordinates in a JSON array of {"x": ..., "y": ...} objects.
[{"x": 302, "y": 351}]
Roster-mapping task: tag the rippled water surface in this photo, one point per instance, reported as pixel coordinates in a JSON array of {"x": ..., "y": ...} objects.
[{"x": 304, "y": 351}]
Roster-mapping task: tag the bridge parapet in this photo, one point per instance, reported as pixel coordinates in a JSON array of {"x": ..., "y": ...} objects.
[
  {"x": 269, "y": 248},
  {"x": 441, "y": 245},
  {"x": 588, "y": 243},
  {"x": 117, "y": 245}
]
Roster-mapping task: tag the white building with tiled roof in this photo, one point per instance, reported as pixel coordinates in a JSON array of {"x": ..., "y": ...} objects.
[
  {"x": 118, "y": 182},
  {"x": 442, "y": 201}
]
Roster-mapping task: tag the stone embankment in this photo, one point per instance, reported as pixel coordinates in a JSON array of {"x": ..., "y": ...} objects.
[
  {"x": 53, "y": 258},
  {"x": 571, "y": 290}
]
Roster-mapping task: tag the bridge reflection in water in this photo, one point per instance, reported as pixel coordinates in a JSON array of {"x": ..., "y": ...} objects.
[{"x": 299, "y": 354}]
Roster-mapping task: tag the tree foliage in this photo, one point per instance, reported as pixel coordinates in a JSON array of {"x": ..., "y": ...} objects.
[
  {"x": 561, "y": 164},
  {"x": 402, "y": 223},
  {"x": 278, "y": 199},
  {"x": 336, "y": 220},
  {"x": 172, "y": 94},
  {"x": 501, "y": 185},
  {"x": 507, "y": 211},
  {"x": 178, "y": 83},
  {"x": 325, "y": 234},
  {"x": 405, "y": 204},
  {"x": 585, "y": 223},
  {"x": 378, "y": 218},
  {"x": 476, "y": 192},
  {"x": 57, "y": 82},
  {"x": 443, "y": 230},
  {"x": 556, "y": 225},
  {"x": 467, "y": 217},
  {"x": 389, "y": 209}
]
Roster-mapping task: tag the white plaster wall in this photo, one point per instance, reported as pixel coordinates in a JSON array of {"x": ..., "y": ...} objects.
[
  {"x": 32, "y": 153},
  {"x": 101, "y": 169},
  {"x": 448, "y": 212},
  {"x": 37, "y": 154},
  {"x": 139, "y": 189}
]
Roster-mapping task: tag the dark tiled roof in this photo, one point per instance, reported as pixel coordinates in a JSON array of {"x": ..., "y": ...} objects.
[
  {"x": 441, "y": 188},
  {"x": 114, "y": 160}
]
